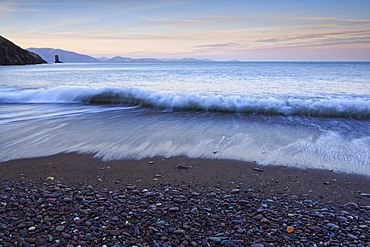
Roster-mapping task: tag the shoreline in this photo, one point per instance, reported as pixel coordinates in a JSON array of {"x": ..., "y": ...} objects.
[
  {"x": 77, "y": 200},
  {"x": 73, "y": 169}
]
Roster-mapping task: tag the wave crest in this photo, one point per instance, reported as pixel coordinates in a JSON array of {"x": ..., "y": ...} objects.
[{"x": 357, "y": 108}]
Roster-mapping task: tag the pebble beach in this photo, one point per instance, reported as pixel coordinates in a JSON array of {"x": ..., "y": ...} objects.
[{"x": 78, "y": 200}]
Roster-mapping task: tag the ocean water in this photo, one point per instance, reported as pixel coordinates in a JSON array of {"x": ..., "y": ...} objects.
[{"x": 300, "y": 114}]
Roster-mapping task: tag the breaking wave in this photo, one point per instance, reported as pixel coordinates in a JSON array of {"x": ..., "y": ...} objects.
[{"x": 345, "y": 107}]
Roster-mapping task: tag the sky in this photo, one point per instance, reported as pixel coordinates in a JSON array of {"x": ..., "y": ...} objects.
[{"x": 246, "y": 30}]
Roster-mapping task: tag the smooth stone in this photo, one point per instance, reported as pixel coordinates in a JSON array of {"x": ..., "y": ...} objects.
[
  {"x": 174, "y": 209},
  {"x": 352, "y": 236},
  {"x": 115, "y": 218},
  {"x": 31, "y": 240},
  {"x": 351, "y": 205},
  {"x": 32, "y": 228},
  {"x": 271, "y": 239},
  {"x": 332, "y": 226},
  {"x": 341, "y": 219},
  {"x": 66, "y": 235},
  {"x": 21, "y": 225},
  {"x": 150, "y": 194},
  {"x": 59, "y": 228},
  {"x": 314, "y": 228},
  {"x": 51, "y": 200},
  {"x": 292, "y": 236},
  {"x": 194, "y": 210},
  {"x": 366, "y": 194},
  {"x": 179, "y": 232},
  {"x": 50, "y": 238},
  {"x": 113, "y": 232},
  {"x": 257, "y": 245},
  {"x": 223, "y": 242},
  {"x": 237, "y": 221},
  {"x": 215, "y": 239},
  {"x": 160, "y": 223},
  {"x": 88, "y": 236},
  {"x": 257, "y": 169},
  {"x": 79, "y": 221},
  {"x": 181, "y": 167}
]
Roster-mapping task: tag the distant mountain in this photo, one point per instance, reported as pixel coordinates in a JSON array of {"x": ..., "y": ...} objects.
[
  {"x": 65, "y": 56},
  {"x": 72, "y": 57},
  {"x": 11, "y": 54},
  {"x": 187, "y": 60},
  {"x": 102, "y": 59},
  {"x": 119, "y": 59}
]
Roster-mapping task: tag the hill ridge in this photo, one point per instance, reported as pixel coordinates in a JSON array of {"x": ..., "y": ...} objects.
[{"x": 12, "y": 54}]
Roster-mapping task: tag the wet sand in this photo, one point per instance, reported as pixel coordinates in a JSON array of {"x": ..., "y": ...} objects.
[{"x": 74, "y": 169}]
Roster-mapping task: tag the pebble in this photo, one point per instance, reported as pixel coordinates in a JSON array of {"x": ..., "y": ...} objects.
[
  {"x": 32, "y": 228},
  {"x": 258, "y": 169},
  {"x": 365, "y": 194},
  {"x": 59, "y": 228},
  {"x": 341, "y": 219},
  {"x": 179, "y": 232},
  {"x": 113, "y": 232},
  {"x": 181, "y": 167},
  {"x": 194, "y": 210},
  {"x": 351, "y": 205},
  {"x": 332, "y": 226},
  {"x": 352, "y": 236},
  {"x": 66, "y": 235},
  {"x": 67, "y": 199},
  {"x": 215, "y": 239},
  {"x": 234, "y": 191},
  {"x": 173, "y": 215},
  {"x": 174, "y": 209},
  {"x": 314, "y": 228},
  {"x": 150, "y": 194}
]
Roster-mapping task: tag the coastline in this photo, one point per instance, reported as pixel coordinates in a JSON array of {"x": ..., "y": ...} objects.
[{"x": 73, "y": 169}]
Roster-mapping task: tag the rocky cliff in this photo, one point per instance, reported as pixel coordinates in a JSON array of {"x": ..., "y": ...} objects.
[
  {"x": 66, "y": 56},
  {"x": 11, "y": 54}
]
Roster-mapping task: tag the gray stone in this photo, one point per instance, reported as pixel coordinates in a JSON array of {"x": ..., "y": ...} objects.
[
  {"x": 215, "y": 239},
  {"x": 59, "y": 228},
  {"x": 352, "y": 236}
]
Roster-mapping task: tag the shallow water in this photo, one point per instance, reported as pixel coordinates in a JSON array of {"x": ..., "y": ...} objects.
[{"x": 297, "y": 114}]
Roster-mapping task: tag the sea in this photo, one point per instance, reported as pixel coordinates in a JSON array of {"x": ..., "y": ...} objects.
[{"x": 298, "y": 114}]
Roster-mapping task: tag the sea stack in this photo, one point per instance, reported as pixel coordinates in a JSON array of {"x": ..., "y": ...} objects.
[
  {"x": 11, "y": 54},
  {"x": 57, "y": 59}
]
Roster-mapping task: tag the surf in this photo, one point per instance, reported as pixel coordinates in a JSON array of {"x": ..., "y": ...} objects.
[{"x": 333, "y": 107}]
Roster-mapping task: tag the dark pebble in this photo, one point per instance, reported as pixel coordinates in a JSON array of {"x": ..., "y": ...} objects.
[{"x": 43, "y": 214}]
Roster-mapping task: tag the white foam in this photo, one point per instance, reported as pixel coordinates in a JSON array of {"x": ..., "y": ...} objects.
[{"x": 350, "y": 107}]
